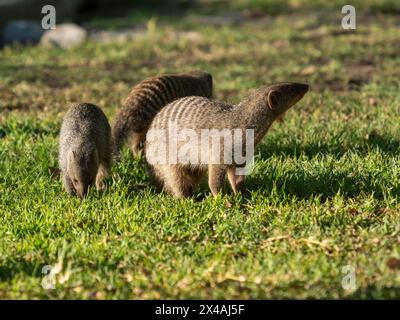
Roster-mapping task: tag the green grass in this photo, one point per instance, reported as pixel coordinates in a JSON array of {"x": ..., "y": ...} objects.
[{"x": 324, "y": 192}]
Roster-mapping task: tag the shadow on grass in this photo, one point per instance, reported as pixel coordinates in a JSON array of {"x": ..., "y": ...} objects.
[
  {"x": 9, "y": 270},
  {"x": 300, "y": 183},
  {"x": 61, "y": 77},
  {"x": 383, "y": 142},
  {"x": 52, "y": 74},
  {"x": 375, "y": 292},
  {"x": 303, "y": 184}
]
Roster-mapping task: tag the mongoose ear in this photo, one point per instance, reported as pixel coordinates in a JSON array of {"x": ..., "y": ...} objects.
[{"x": 273, "y": 99}]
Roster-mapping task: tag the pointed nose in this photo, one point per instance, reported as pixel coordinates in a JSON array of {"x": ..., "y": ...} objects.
[
  {"x": 302, "y": 87},
  {"x": 81, "y": 192}
]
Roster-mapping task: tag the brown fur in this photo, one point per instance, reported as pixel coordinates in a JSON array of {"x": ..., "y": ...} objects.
[
  {"x": 147, "y": 98},
  {"x": 257, "y": 112},
  {"x": 85, "y": 148}
]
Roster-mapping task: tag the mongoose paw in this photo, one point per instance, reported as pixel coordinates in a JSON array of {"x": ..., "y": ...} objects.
[
  {"x": 100, "y": 185},
  {"x": 228, "y": 204}
]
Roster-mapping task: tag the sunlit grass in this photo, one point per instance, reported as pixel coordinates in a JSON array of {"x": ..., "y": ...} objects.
[{"x": 324, "y": 192}]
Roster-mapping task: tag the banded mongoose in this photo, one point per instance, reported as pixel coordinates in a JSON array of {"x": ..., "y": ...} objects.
[
  {"x": 257, "y": 112},
  {"x": 147, "y": 98},
  {"x": 85, "y": 148}
]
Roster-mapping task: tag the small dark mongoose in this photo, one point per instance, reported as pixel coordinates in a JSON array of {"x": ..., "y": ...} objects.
[
  {"x": 257, "y": 112},
  {"x": 147, "y": 98},
  {"x": 85, "y": 148}
]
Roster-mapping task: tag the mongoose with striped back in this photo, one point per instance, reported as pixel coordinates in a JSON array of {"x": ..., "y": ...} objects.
[
  {"x": 84, "y": 148},
  {"x": 150, "y": 96},
  {"x": 180, "y": 175}
]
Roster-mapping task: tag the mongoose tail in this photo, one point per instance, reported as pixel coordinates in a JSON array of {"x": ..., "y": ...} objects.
[
  {"x": 84, "y": 149},
  {"x": 257, "y": 112},
  {"x": 147, "y": 98}
]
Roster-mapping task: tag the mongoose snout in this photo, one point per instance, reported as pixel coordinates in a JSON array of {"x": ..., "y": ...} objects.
[
  {"x": 299, "y": 90},
  {"x": 82, "y": 168},
  {"x": 85, "y": 149},
  {"x": 283, "y": 96}
]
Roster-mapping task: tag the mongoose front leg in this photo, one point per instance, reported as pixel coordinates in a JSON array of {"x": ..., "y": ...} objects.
[
  {"x": 236, "y": 181},
  {"x": 177, "y": 183},
  {"x": 102, "y": 173},
  {"x": 137, "y": 140},
  {"x": 69, "y": 186},
  {"x": 216, "y": 175},
  {"x": 240, "y": 183}
]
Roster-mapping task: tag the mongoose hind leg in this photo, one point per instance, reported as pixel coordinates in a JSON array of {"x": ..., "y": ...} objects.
[
  {"x": 236, "y": 181},
  {"x": 137, "y": 140},
  {"x": 178, "y": 182},
  {"x": 216, "y": 176}
]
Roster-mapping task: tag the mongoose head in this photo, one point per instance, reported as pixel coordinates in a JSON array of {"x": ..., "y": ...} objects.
[
  {"x": 206, "y": 81},
  {"x": 82, "y": 169},
  {"x": 282, "y": 96}
]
